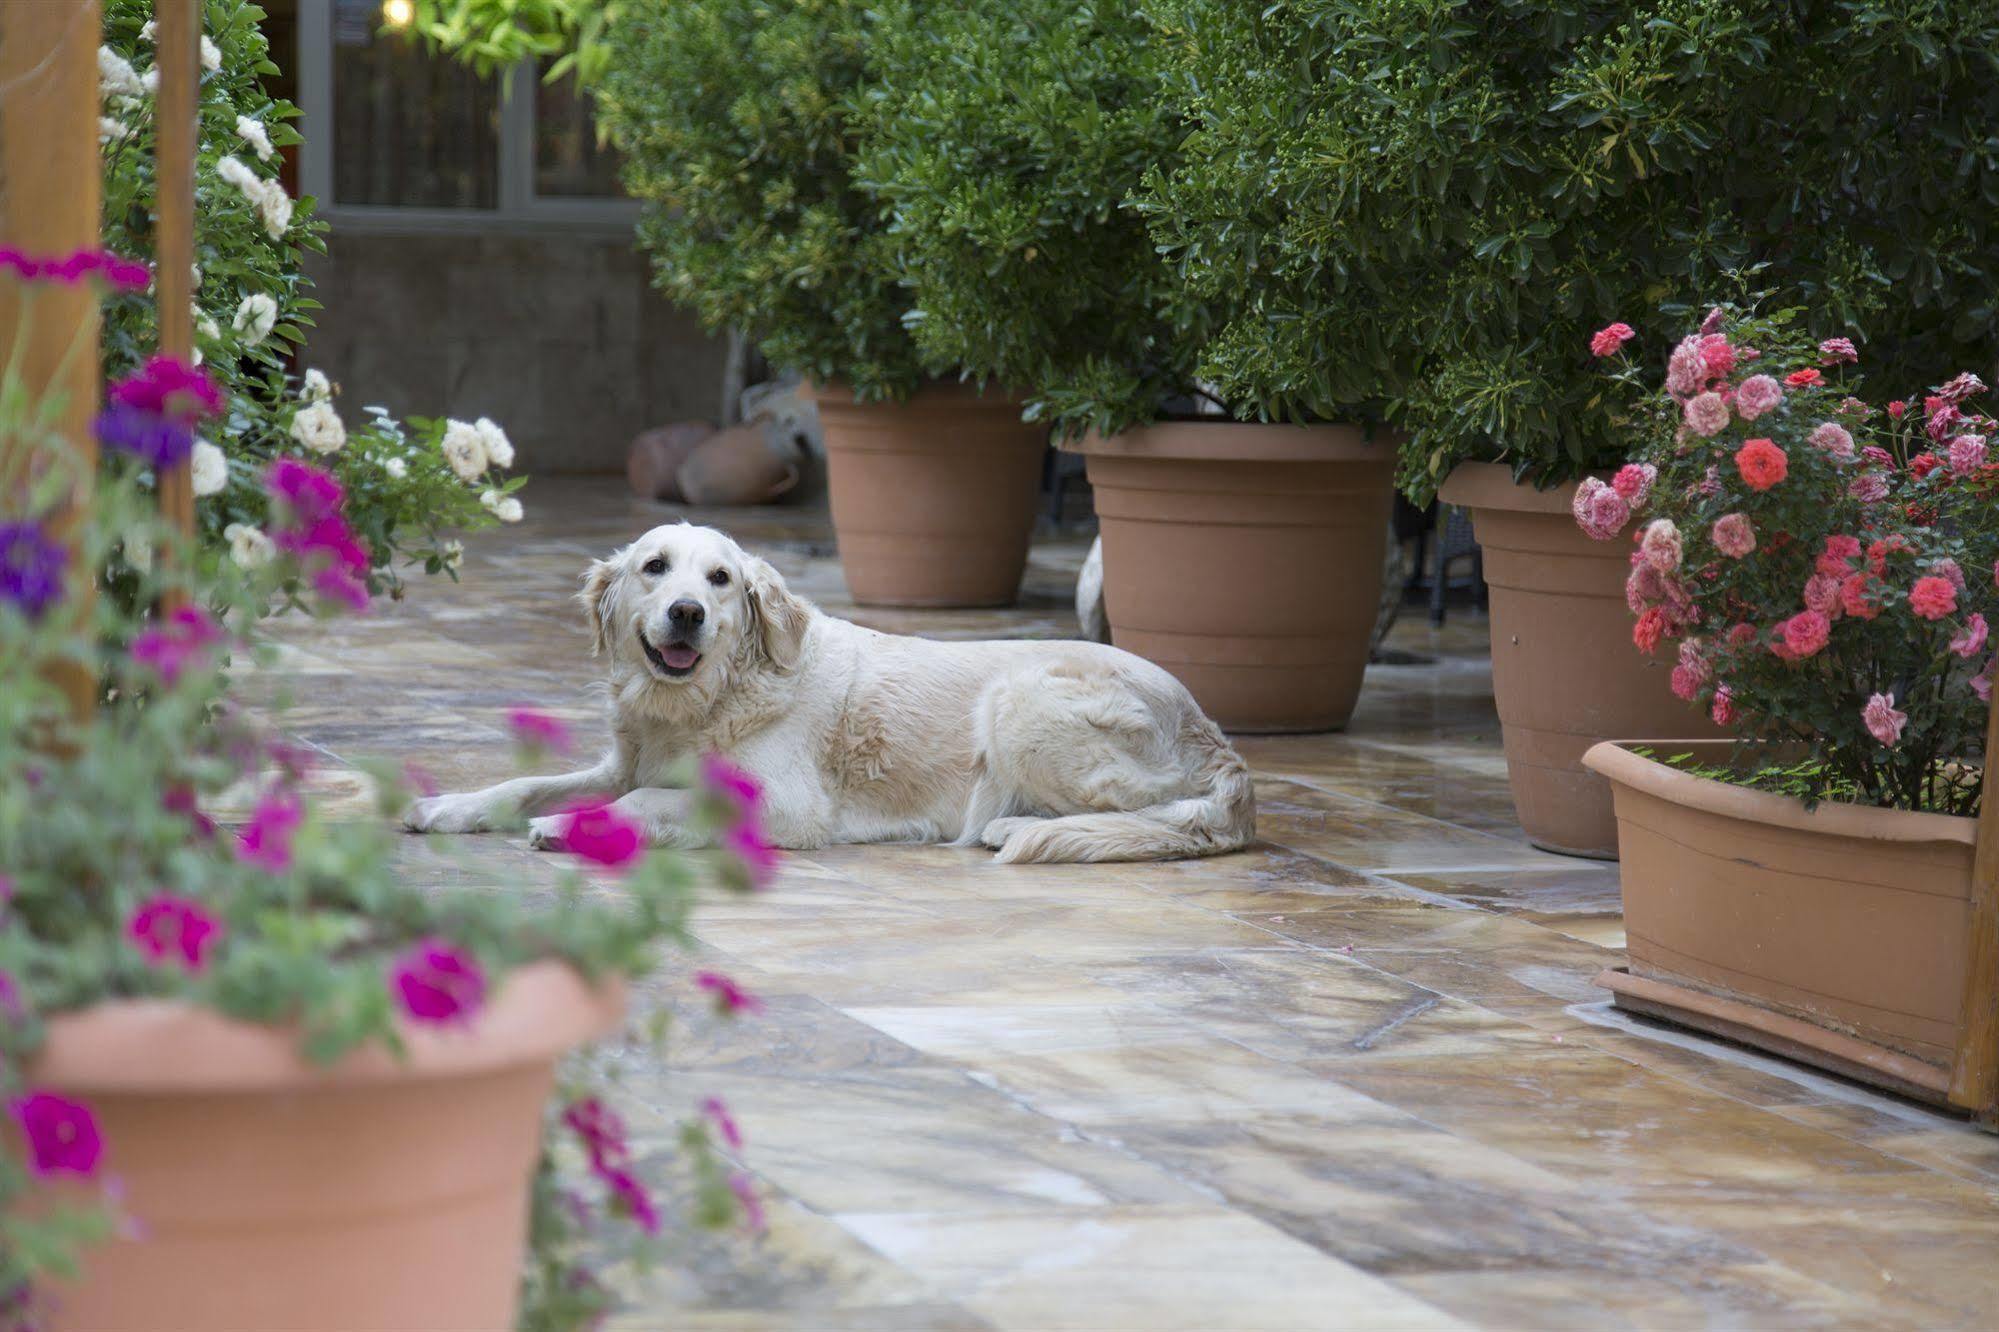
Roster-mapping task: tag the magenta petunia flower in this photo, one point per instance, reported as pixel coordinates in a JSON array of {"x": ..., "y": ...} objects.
[
  {"x": 746, "y": 1197},
  {"x": 732, "y": 784},
  {"x": 717, "y": 1113},
  {"x": 168, "y": 386},
  {"x": 61, "y": 1134},
  {"x": 1884, "y": 723},
  {"x": 438, "y": 983},
  {"x": 629, "y": 1198},
  {"x": 177, "y": 929},
  {"x": 341, "y": 588},
  {"x": 538, "y": 731},
  {"x": 758, "y": 857},
  {"x": 602, "y": 1132},
  {"x": 180, "y": 799},
  {"x": 306, "y": 492},
  {"x": 729, "y": 996},
  {"x": 266, "y": 841},
  {"x": 185, "y": 639},
  {"x": 601, "y": 835}
]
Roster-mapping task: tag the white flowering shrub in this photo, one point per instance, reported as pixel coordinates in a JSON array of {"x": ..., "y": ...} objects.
[{"x": 409, "y": 487}]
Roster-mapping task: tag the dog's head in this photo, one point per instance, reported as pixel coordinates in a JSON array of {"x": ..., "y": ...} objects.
[{"x": 686, "y": 606}]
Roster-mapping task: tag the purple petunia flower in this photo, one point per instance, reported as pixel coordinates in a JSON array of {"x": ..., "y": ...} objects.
[
  {"x": 147, "y": 436},
  {"x": 31, "y": 567}
]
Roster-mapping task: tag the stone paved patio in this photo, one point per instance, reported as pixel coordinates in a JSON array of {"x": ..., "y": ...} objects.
[{"x": 1354, "y": 1078}]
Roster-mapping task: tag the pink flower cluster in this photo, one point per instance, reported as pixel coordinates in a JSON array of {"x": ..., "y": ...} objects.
[
  {"x": 188, "y": 637},
  {"x": 67, "y": 270},
  {"x": 604, "y": 1139},
  {"x": 309, "y": 526}
]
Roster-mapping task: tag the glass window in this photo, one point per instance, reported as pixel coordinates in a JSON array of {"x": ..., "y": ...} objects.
[
  {"x": 410, "y": 128},
  {"x": 569, "y": 160}
]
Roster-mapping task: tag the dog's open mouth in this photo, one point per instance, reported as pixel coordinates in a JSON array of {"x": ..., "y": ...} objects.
[{"x": 675, "y": 660}]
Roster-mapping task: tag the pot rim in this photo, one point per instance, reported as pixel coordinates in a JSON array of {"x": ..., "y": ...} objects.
[
  {"x": 1615, "y": 761},
  {"x": 1240, "y": 441},
  {"x": 166, "y": 1046},
  {"x": 936, "y": 392},
  {"x": 1488, "y": 485}
]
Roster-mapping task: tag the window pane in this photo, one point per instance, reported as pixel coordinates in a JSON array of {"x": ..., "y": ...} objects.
[
  {"x": 568, "y": 160},
  {"x": 409, "y": 128}
]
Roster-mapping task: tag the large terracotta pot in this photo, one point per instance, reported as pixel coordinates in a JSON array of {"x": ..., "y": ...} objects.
[
  {"x": 1246, "y": 559},
  {"x": 933, "y": 498},
  {"x": 1836, "y": 935},
  {"x": 1564, "y": 671},
  {"x": 268, "y": 1192}
]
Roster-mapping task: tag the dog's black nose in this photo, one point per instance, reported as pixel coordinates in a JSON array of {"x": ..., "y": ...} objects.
[{"x": 684, "y": 615}]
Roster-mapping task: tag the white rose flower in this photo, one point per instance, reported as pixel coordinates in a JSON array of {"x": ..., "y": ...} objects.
[
  {"x": 319, "y": 428},
  {"x": 115, "y": 75},
  {"x": 276, "y": 207},
  {"x": 232, "y": 170},
  {"x": 248, "y": 546},
  {"x": 396, "y": 467},
  {"x": 499, "y": 449},
  {"x": 110, "y": 130},
  {"x": 138, "y": 551},
  {"x": 316, "y": 387},
  {"x": 211, "y": 55},
  {"x": 194, "y": 271},
  {"x": 146, "y": 33},
  {"x": 150, "y": 81},
  {"x": 465, "y": 450},
  {"x": 207, "y": 468},
  {"x": 255, "y": 317},
  {"x": 504, "y": 507},
  {"x": 454, "y": 554},
  {"x": 205, "y": 326},
  {"x": 251, "y": 131}
]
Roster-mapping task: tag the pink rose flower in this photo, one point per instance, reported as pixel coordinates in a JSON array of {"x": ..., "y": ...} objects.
[
  {"x": 1832, "y": 438},
  {"x": 1836, "y": 350},
  {"x": 267, "y": 841},
  {"x": 1685, "y": 684},
  {"x": 729, "y": 996},
  {"x": 1884, "y": 723},
  {"x": 1822, "y": 594},
  {"x": 1707, "y": 414},
  {"x": 1966, "y": 385},
  {"x": 1634, "y": 482},
  {"x": 1661, "y": 545},
  {"x": 1932, "y": 597},
  {"x": 179, "y": 928},
  {"x": 1869, "y": 488},
  {"x": 1971, "y": 637},
  {"x": 1607, "y": 341},
  {"x": 1836, "y": 560},
  {"x": 1723, "y": 711},
  {"x": 1717, "y": 355},
  {"x": 1967, "y": 455},
  {"x": 1599, "y": 510},
  {"x": 1757, "y": 395},
  {"x": 1981, "y": 683},
  {"x": 1686, "y": 373},
  {"x": 538, "y": 731},
  {"x": 438, "y": 983},
  {"x": 62, "y": 1135},
  {"x": 1734, "y": 535},
  {"x": 1805, "y": 633},
  {"x": 1948, "y": 568},
  {"x": 601, "y": 835}
]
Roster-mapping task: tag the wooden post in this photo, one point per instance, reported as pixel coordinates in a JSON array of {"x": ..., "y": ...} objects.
[
  {"x": 49, "y": 191},
  {"x": 177, "y": 32},
  {"x": 1974, "y": 1082}
]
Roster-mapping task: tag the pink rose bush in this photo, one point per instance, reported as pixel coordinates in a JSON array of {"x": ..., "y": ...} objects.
[{"x": 1805, "y": 555}]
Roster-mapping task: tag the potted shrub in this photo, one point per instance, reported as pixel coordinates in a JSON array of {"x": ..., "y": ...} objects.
[
  {"x": 1005, "y": 141},
  {"x": 1436, "y": 208},
  {"x": 249, "y": 1078},
  {"x": 1822, "y": 570},
  {"x": 740, "y": 127}
]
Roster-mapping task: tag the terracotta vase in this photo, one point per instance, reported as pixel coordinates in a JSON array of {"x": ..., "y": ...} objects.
[
  {"x": 1565, "y": 673},
  {"x": 736, "y": 466},
  {"x": 933, "y": 498},
  {"x": 1837, "y": 935},
  {"x": 1246, "y": 559},
  {"x": 268, "y": 1192},
  {"x": 652, "y": 465}
]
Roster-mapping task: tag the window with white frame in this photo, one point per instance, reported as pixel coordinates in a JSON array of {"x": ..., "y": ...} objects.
[{"x": 398, "y": 137}]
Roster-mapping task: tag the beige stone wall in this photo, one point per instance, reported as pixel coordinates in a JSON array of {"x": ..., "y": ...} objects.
[{"x": 558, "y": 336}]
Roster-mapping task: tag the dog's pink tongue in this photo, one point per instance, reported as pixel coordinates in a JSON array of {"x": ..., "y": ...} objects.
[{"x": 679, "y": 657}]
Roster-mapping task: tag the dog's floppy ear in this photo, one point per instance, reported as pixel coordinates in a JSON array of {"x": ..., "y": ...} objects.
[
  {"x": 596, "y": 599},
  {"x": 777, "y": 619}
]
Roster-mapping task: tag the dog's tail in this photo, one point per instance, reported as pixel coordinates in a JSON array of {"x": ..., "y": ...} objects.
[{"x": 1222, "y": 818}]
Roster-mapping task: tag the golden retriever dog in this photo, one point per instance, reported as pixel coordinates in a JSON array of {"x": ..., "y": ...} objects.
[{"x": 1044, "y": 751}]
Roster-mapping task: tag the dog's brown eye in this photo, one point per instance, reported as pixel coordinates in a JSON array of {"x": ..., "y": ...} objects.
[
  {"x": 656, "y": 565},
  {"x": 720, "y": 578}
]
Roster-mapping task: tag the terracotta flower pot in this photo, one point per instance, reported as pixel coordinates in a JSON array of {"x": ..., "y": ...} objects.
[
  {"x": 1246, "y": 559},
  {"x": 933, "y": 498},
  {"x": 1837, "y": 935},
  {"x": 1565, "y": 673},
  {"x": 268, "y": 1192}
]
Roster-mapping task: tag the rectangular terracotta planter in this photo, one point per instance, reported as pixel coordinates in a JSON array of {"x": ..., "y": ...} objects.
[{"x": 1837, "y": 936}]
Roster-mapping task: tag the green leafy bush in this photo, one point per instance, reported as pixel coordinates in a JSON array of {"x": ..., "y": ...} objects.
[
  {"x": 740, "y": 123},
  {"x": 1430, "y": 205},
  {"x": 253, "y": 305},
  {"x": 1004, "y": 139}
]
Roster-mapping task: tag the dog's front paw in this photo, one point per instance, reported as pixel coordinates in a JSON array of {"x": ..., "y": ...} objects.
[
  {"x": 546, "y": 834},
  {"x": 995, "y": 833},
  {"x": 446, "y": 814}
]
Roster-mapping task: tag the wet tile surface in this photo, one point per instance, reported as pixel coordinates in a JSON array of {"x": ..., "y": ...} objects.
[{"x": 1355, "y": 1076}]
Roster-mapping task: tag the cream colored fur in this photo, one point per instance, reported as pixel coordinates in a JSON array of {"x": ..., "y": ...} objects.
[{"x": 1045, "y": 751}]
